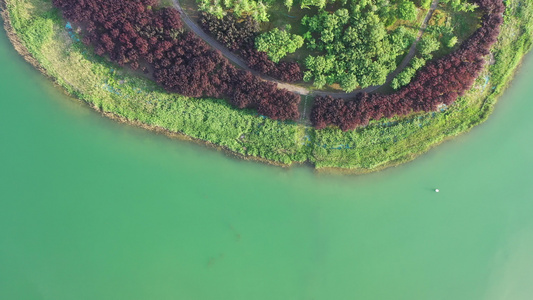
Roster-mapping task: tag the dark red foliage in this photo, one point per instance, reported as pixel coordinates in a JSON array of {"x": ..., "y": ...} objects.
[
  {"x": 131, "y": 34},
  {"x": 239, "y": 36},
  {"x": 440, "y": 82}
]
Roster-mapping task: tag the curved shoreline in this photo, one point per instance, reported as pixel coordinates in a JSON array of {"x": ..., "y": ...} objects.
[
  {"x": 26, "y": 55},
  {"x": 21, "y": 49},
  {"x": 310, "y": 158},
  {"x": 294, "y": 88}
]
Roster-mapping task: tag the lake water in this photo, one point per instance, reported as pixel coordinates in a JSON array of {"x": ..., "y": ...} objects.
[{"x": 94, "y": 209}]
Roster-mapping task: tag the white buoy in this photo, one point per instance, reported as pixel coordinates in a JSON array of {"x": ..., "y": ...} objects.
[{"x": 437, "y": 190}]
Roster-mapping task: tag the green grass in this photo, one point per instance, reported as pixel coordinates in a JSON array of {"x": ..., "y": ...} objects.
[
  {"x": 463, "y": 25},
  {"x": 382, "y": 143}
]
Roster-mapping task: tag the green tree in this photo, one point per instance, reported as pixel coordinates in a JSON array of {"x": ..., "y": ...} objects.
[
  {"x": 407, "y": 11},
  {"x": 425, "y": 4},
  {"x": 288, "y": 4},
  {"x": 349, "y": 82},
  {"x": 320, "y": 81},
  {"x": 403, "y": 78},
  {"x": 427, "y": 45},
  {"x": 359, "y": 50},
  {"x": 451, "y": 41},
  {"x": 343, "y": 14},
  {"x": 278, "y": 43},
  {"x": 417, "y": 63},
  {"x": 318, "y": 3}
]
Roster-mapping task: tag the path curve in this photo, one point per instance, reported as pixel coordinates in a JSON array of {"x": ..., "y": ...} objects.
[
  {"x": 230, "y": 55},
  {"x": 403, "y": 64},
  {"x": 291, "y": 87}
]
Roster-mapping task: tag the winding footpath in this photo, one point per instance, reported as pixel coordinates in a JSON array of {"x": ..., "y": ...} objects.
[
  {"x": 230, "y": 55},
  {"x": 291, "y": 87}
]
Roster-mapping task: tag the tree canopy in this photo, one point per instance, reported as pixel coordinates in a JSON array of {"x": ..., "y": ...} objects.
[
  {"x": 359, "y": 52},
  {"x": 440, "y": 82},
  {"x": 278, "y": 43}
]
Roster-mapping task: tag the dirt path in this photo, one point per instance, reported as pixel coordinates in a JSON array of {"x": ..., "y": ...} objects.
[
  {"x": 229, "y": 55},
  {"x": 403, "y": 64},
  {"x": 291, "y": 87}
]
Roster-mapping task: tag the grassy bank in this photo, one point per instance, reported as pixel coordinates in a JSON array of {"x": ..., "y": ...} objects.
[{"x": 43, "y": 33}]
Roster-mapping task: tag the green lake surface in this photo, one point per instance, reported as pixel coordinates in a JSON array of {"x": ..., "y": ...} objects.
[{"x": 94, "y": 209}]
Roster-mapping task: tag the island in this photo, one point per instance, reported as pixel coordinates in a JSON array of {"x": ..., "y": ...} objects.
[{"x": 349, "y": 86}]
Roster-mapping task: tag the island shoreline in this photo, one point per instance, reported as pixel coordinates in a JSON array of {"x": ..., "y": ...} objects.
[{"x": 28, "y": 57}]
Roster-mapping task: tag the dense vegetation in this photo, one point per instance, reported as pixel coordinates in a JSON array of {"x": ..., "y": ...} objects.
[
  {"x": 439, "y": 83},
  {"x": 278, "y": 43},
  {"x": 446, "y": 28},
  {"x": 358, "y": 50},
  {"x": 131, "y": 32},
  {"x": 461, "y": 5},
  {"x": 239, "y": 36},
  {"x": 347, "y": 44},
  {"x": 255, "y": 9},
  {"x": 354, "y": 44},
  {"x": 129, "y": 96}
]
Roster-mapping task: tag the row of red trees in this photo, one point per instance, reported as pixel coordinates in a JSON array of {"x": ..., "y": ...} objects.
[
  {"x": 133, "y": 33},
  {"x": 239, "y": 36},
  {"x": 440, "y": 82}
]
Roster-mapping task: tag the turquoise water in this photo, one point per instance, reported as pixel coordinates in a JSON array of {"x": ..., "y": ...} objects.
[{"x": 93, "y": 209}]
